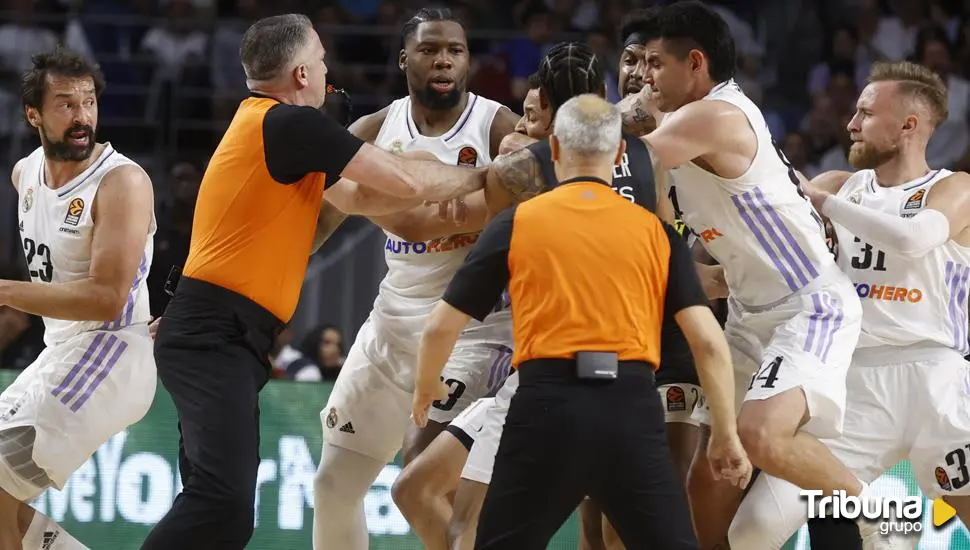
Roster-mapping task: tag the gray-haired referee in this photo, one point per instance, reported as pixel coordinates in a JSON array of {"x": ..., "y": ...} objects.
[{"x": 589, "y": 275}]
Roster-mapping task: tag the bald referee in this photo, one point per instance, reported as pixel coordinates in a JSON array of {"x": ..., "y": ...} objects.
[
  {"x": 587, "y": 343},
  {"x": 252, "y": 236}
]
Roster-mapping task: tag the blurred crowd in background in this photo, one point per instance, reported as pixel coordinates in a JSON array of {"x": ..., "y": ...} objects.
[{"x": 174, "y": 80}]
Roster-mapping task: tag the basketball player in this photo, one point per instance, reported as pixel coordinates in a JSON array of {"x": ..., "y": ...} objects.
[
  {"x": 86, "y": 225},
  {"x": 368, "y": 415},
  {"x": 904, "y": 239},
  {"x": 424, "y": 488},
  {"x": 794, "y": 317}
]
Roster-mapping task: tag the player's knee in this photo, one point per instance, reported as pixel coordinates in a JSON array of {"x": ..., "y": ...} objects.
[
  {"x": 408, "y": 491},
  {"x": 758, "y": 439}
]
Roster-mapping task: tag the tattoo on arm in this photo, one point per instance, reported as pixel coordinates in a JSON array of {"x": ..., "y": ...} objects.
[
  {"x": 520, "y": 175},
  {"x": 636, "y": 120}
]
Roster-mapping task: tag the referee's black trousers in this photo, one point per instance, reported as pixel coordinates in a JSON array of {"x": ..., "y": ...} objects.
[
  {"x": 212, "y": 352},
  {"x": 565, "y": 439}
]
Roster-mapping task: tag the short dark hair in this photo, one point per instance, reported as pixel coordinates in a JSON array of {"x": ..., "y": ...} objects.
[
  {"x": 534, "y": 82},
  {"x": 568, "y": 70},
  {"x": 60, "y": 61},
  {"x": 927, "y": 35},
  {"x": 685, "y": 26},
  {"x": 427, "y": 15},
  {"x": 272, "y": 42}
]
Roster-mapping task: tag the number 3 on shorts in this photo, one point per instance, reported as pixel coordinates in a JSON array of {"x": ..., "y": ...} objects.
[
  {"x": 456, "y": 389},
  {"x": 767, "y": 374}
]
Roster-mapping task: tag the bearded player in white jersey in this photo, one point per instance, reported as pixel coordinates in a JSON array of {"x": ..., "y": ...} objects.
[
  {"x": 794, "y": 317},
  {"x": 367, "y": 419},
  {"x": 86, "y": 225},
  {"x": 904, "y": 239}
]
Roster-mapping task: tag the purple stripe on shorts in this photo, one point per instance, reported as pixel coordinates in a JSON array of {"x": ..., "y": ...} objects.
[
  {"x": 499, "y": 369},
  {"x": 95, "y": 344},
  {"x": 95, "y": 365},
  {"x": 102, "y": 374},
  {"x": 951, "y": 275},
  {"x": 759, "y": 235},
  {"x": 836, "y": 325},
  {"x": 813, "y": 323},
  {"x": 956, "y": 282}
]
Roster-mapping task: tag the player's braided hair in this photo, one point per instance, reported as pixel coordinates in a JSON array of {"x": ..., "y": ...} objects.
[{"x": 568, "y": 70}]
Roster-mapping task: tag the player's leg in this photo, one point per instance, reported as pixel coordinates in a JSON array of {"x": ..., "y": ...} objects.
[
  {"x": 940, "y": 455},
  {"x": 873, "y": 439},
  {"x": 471, "y": 373},
  {"x": 363, "y": 427},
  {"x": 422, "y": 492},
  {"x": 798, "y": 393},
  {"x": 592, "y": 523},
  {"x": 477, "y": 473},
  {"x": 713, "y": 502},
  {"x": 73, "y": 398}
]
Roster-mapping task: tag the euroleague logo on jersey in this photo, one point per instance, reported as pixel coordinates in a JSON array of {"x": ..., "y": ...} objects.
[
  {"x": 74, "y": 211},
  {"x": 468, "y": 156}
]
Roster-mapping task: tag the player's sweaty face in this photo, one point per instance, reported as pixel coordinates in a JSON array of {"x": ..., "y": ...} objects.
[
  {"x": 876, "y": 126},
  {"x": 436, "y": 64},
  {"x": 667, "y": 74},
  {"x": 633, "y": 64},
  {"x": 69, "y": 117}
]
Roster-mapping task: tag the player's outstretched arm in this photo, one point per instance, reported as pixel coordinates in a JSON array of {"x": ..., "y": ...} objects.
[
  {"x": 694, "y": 130},
  {"x": 512, "y": 178},
  {"x": 944, "y": 217},
  {"x": 122, "y": 214},
  {"x": 410, "y": 178}
]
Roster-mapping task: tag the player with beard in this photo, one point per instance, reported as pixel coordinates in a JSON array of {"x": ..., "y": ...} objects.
[
  {"x": 86, "y": 225},
  {"x": 904, "y": 239},
  {"x": 367, "y": 416}
]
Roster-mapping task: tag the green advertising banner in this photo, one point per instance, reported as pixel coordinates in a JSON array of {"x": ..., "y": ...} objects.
[{"x": 112, "y": 501}]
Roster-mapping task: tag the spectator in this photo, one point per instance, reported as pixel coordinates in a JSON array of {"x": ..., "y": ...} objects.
[
  {"x": 176, "y": 43},
  {"x": 798, "y": 153},
  {"x": 324, "y": 346},
  {"x": 842, "y": 88},
  {"x": 226, "y": 73},
  {"x": 837, "y": 157},
  {"x": 525, "y": 52},
  {"x": 174, "y": 232},
  {"x": 950, "y": 143},
  {"x": 19, "y": 40},
  {"x": 895, "y": 37},
  {"x": 285, "y": 358},
  {"x": 601, "y": 42},
  {"x": 842, "y": 46}
]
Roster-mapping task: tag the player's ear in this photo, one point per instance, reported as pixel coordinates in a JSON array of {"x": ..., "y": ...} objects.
[
  {"x": 402, "y": 60},
  {"x": 695, "y": 59},
  {"x": 554, "y": 148},
  {"x": 620, "y": 151},
  {"x": 33, "y": 116},
  {"x": 910, "y": 123}
]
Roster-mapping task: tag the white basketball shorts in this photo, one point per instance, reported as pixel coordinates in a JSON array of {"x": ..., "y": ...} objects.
[
  {"x": 804, "y": 341},
  {"x": 369, "y": 409},
  {"x": 908, "y": 403},
  {"x": 481, "y": 458},
  {"x": 76, "y": 395},
  {"x": 680, "y": 401},
  {"x": 467, "y": 426}
]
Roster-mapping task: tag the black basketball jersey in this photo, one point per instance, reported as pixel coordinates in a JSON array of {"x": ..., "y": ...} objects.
[
  {"x": 634, "y": 180},
  {"x": 632, "y": 177}
]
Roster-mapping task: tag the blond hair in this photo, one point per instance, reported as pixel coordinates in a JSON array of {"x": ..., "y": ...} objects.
[{"x": 917, "y": 82}]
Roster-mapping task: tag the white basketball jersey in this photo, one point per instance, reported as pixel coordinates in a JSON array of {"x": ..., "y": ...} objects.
[
  {"x": 905, "y": 300},
  {"x": 56, "y": 229},
  {"x": 758, "y": 226},
  {"x": 419, "y": 272}
]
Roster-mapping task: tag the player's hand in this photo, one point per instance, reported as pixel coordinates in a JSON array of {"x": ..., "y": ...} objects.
[
  {"x": 650, "y": 100},
  {"x": 816, "y": 195},
  {"x": 423, "y": 398},
  {"x": 712, "y": 281},
  {"x": 153, "y": 327},
  {"x": 454, "y": 211},
  {"x": 728, "y": 459}
]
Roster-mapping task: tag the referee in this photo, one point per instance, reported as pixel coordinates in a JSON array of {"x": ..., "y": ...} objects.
[
  {"x": 252, "y": 236},
  {"x": 586, "y": 419}
]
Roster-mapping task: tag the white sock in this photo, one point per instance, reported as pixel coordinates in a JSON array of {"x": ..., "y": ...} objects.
[
  {"x": 866, "y": 528},
  {"x": 45, "y": 534}
]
